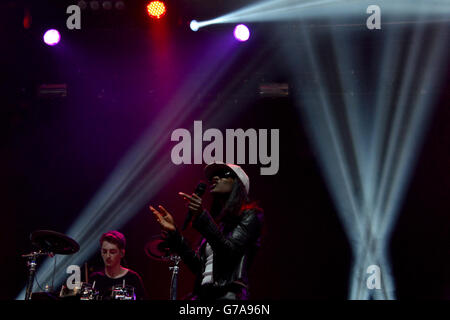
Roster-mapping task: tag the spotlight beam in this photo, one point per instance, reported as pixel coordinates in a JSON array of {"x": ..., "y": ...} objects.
[
  {"x": 413, "y": 134},
  {"x": 398, "y": 122},
  {"x": 360, "y": 133},
  {"x": 284, "y": 10},
  {"x": 334, "y": 135},
  {"x": 420, "y": 116},
  {"x": 390, "y": 147}
]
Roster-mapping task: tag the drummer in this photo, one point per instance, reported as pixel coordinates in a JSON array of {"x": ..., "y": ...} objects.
[{"x": 112, "y": 245}]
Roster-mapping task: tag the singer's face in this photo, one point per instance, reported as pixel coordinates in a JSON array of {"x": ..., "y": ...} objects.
[
  {"x": 111, "y": 254},
  {"x": 221, "y": 184}
]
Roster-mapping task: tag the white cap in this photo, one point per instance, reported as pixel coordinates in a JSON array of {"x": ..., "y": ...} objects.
[{"x": 240, "y": 173}]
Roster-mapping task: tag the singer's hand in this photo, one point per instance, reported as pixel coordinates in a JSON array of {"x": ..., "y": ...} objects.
[
  {"x": 194, "y": 202},
  {"x": 164, "y": 218}
]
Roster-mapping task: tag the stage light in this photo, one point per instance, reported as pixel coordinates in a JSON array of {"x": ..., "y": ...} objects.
[
  {"x": 52, "y": 37},
  {"x": 95, "y": 5},
  {"x": 194, "y": 25},
  {"x": 241, "y": 33},
  {"x": 27, "y": 19},
  {"x": 107, "y": 5},
  {"x": 119, "y": 5},
  {"x": 82, "y": 4},
  {"x": 156, "y": 9}
]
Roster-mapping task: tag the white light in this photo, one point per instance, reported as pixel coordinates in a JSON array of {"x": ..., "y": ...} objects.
[
  {"x": 241, "y": 33},
  {"x": 194, "y": 25},
  {"x": 52, "y": 37}
]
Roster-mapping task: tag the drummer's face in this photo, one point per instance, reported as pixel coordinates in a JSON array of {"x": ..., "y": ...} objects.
[{"x": 111, "y": 254}]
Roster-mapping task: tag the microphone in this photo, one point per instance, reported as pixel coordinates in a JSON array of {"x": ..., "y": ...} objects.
[{"x": 199, "y": 190}]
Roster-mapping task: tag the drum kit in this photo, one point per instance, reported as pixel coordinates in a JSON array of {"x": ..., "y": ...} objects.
[
  {"x": 49, "y": 243},
  {"x": 87, "y": 292}
]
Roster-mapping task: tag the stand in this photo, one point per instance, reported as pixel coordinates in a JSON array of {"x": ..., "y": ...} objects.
[
  {"x": 32, "y": 264},
  {"x": 174, "y": 281}
]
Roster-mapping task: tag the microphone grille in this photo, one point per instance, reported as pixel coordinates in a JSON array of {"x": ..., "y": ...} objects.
[{"x": 200, "y": 189}]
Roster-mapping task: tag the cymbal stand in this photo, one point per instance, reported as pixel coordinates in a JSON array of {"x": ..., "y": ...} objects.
[
  {"x": 32, "y": 264},
  {"x": 174, "y": 282}
]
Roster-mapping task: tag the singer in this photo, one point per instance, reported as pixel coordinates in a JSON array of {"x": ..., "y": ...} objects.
[{"x": 231, "y": 233}]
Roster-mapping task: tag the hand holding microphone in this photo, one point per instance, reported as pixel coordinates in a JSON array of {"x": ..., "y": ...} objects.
[{"x": 195, "y": 202}]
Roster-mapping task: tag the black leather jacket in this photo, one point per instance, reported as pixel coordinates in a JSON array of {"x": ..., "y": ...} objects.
[{"x": 234, "y": 244}]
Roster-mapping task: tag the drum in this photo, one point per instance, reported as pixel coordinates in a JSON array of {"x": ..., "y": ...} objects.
[
  {"x": 83, "y": 292},
  {"x": 123, "y": 293},
  {"x": 88, "y": 293},
  {"x": 67, "y": 293}
]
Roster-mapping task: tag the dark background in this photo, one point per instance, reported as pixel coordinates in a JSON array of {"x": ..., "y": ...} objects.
[{"x": 56, "y": 153}]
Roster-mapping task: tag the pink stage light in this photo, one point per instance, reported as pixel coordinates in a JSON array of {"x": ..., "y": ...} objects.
[
  {"x": 241, "y": 33},
  {"x": 52, "y": 37}
]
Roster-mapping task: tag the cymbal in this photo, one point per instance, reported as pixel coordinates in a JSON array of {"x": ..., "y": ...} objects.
[
  {"x": 55, "y": 242},
  {"x": 157, "y": 250}
]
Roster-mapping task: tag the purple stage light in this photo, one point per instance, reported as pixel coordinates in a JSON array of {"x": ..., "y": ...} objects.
[
  {"x": 241, "y": 33},
  {"x": 51, "y": 37}
]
